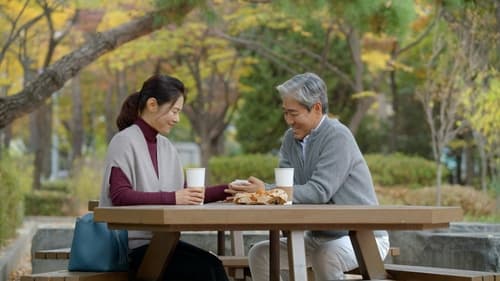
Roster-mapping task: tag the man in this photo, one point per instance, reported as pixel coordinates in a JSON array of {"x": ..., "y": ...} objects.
[{"x": 328, "y": 169}]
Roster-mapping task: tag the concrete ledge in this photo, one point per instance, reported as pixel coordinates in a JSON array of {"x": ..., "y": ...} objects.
[
  {"x": 12, "y": 254},
  {"x": 46, "y": 239},
  {"x": 468, "y": 246}
]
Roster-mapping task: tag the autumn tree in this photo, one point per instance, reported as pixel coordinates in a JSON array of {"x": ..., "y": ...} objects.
[
  {"x": 352, "y": 45},
  {"x": 15, "y": 19},
  {"x": 36, "y": 46},
  {"x": 212, "y": 70},
  {"x": 55, "y": 75},
  {"x": 480, "y": 22},
  {"x": 37, "y": 92},
  {"x": 453, "y": 65}
]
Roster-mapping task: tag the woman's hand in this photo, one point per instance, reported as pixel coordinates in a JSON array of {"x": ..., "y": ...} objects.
[
  {"x": 254, "y": 184},
  {"x": 190, "y": 196}
]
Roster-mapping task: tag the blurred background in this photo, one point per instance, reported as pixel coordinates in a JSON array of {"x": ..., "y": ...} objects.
[{"x": 416, "y": 81}]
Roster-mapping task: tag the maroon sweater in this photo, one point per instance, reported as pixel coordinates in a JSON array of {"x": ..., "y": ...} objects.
[{"x": 122, "y": 193}]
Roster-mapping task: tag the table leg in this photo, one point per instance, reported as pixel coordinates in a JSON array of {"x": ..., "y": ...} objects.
[
  {"x": 238, "y": 249},
  {"x": 274, "y": 255},
  {"x": 159, "y": 251},
  {"x": 297, "y": 256},
  {"x": 221, "y": 243},
  {"x": 370, "y": 263}
]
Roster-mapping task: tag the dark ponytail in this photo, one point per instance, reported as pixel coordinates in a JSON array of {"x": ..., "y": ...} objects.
[
  {"x": 129, "y": 112},
  {"x": 163, "y": 88}
]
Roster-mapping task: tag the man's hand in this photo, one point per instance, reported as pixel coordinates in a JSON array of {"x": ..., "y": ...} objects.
[
  {"x": 189, "y": 196},
  {"x": 254, "y": 184}
]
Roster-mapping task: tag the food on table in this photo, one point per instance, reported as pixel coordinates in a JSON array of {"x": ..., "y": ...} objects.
[{"x": 270, "y": 197}]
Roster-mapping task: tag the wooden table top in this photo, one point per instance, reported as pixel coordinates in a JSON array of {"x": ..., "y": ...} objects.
[{"x": 229, "y": 216}]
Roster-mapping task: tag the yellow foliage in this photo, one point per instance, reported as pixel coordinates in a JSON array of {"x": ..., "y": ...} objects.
[
  {"x": 481, "y": 109},
  {"x": 375, "y": 60},
  {"x": 400, "y": 66},
  {"x": 364, "y": 94},
  {"x": 118, "y": 12},
  {"x": 113, "y": 19}
]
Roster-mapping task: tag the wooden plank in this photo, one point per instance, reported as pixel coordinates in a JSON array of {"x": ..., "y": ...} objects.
[
  {"x": 159, "y": 251},
  {"x": 424, "y": 273},
  {"x": 274, "y": 255},
  {"x": 297, "y": 256},
  {"x": 237, "y": 248},
  {"x": 394, "y": 251},
  {"x": 366, "y": 250},
  {"x": 234, "y": 261},
  {"x": 221, "y": 242},
  {"x": 276, "y": 217},
  {"x": 64, "y": 275},
  {"x": 92, "y": 204},
  {"x": 57, "y": 254}
]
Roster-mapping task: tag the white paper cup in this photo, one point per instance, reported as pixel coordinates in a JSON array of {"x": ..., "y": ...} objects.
[
  {"x": 284, "y": 180},
  {"x": 195, "y": 178}
]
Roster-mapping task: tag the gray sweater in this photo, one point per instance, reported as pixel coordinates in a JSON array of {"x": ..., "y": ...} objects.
[{"x": 333, "y": 171}]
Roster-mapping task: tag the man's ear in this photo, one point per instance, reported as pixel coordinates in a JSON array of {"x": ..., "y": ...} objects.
[
  {"x": 317, "y": 107},
  {"x": 152, "y": 104}
]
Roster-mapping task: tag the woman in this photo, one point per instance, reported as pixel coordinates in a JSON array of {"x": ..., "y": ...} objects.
[{"x": 142, "y": 167}]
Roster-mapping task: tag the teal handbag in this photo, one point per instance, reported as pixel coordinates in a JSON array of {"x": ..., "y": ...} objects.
[{"x": 95, "y": 247}]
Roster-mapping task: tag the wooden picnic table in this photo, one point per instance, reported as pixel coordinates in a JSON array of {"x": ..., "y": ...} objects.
[{"x": 166, "y": 222}]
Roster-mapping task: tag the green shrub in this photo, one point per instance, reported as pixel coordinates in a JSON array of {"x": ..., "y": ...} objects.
[
  {"x": 86, "y": 180},
  {"x": 11, "y": 194},
  {"x": 227, "y": 169},
  {"x": 49, "y": 203},
  {"x": 56, "y": 185},
  {"x": 474, "y": 203},
  {"x": 399, "y": 169}
]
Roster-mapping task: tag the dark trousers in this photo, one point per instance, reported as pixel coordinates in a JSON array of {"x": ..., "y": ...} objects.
[{"x": 188, "y": 263}]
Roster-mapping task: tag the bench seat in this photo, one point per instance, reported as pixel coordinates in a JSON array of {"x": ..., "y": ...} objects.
[
  {"x": 424, "y": 273},
  {"x": 64, "y": 275},
  {"x": 63, "y": 254},
  {"x": 54, "y": 254},
  {"x": 231, "y": 263}
]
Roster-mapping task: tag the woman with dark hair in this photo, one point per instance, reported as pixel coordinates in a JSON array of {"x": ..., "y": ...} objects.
[{"x": 142, "y": 167}]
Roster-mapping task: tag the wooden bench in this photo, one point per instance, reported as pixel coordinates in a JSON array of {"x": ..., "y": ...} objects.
[
  {"x": 429, "y": 273},
  {"x": 64, "y": 275},
  {"x": 54, "y": 254}
]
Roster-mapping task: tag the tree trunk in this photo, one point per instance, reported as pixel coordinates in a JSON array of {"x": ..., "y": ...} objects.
[
  {"x": 7, "y": 137},
  {"x": 210, "y": 147},
  {"x": 42, "y": 131},
  {"x": 109, "y": 112},
  {"x": 37, "y": 125},
  {"x": 54, "y": 76},
  {"x": 469, "y": 163},
  {"x": 121, "y": 82},
  {"x": 459, "y": 168},
  {"x": 77, "y": 132},
  {"x": 395, "y": 117},
  {"x": 363, "y": 103},
  {"x": 362, "y": 107},
  {"x": 6, "y": 133},
  {"x": 438, "y": 183},
  {"x": 480, "y": 141}
]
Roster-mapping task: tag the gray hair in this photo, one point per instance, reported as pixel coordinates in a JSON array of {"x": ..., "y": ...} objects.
[{"x": 307, "y": 89}]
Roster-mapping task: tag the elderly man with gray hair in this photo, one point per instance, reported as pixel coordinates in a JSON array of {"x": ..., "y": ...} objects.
[{"x": 328, "y": 169}]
